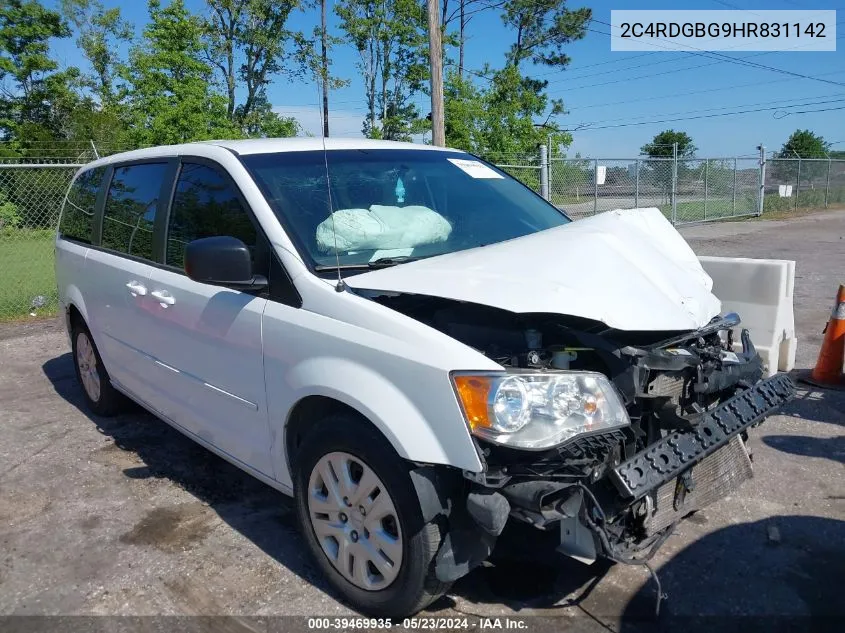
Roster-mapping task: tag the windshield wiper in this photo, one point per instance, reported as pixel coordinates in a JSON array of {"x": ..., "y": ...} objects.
[
  {"x": 381, "y": 262},
  {"x": 384, "y": 262}
]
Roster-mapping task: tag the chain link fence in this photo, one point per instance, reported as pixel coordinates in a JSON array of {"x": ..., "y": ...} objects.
[
  {"x": 792, "y": 184},
  {"x": 33, "y": 182},
  {"x": 30, "y": 198},
  {"x": 686, "y": 190},
  {"x": 526, "y": 169}
]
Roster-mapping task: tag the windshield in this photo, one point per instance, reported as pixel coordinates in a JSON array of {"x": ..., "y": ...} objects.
[{"x": 392, "y": 206}]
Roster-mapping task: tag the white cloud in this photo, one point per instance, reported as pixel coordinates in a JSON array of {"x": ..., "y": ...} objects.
[{"x": 341, "y": 122}]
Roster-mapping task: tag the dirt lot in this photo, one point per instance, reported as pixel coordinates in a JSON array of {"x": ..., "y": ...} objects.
[{"x": 126, "y": 517}]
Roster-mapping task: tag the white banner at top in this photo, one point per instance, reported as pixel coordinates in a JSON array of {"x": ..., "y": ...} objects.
[{"x": 690, "y": 31}]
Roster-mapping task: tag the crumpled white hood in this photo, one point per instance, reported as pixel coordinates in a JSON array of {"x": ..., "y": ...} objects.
[{"x": 629, "y": 269}]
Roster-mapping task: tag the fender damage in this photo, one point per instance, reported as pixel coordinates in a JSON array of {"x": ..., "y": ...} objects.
[{"x": 621, "y": 294}]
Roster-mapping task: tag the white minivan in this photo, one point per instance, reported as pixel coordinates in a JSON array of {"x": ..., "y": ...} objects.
[{"x": 415, "y": 345}]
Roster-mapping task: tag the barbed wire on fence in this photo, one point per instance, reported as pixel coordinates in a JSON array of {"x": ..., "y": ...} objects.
[{"x": 57, "y": 152}]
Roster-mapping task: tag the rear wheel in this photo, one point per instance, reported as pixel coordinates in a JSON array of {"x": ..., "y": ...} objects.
[
  {"x": 100, "y": 396},
  {"x": 362, "y": 520}
]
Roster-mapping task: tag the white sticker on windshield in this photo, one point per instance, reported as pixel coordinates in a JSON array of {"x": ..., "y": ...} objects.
[{"x": 474, "y": 168}]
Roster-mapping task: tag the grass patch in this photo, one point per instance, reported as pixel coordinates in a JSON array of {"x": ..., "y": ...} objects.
[{"x": 26, "y": 271}]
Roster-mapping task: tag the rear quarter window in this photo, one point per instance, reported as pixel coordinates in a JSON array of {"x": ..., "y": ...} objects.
[
  {"x": 130, "y": 209},
  {"x": 78, "y": 211}
]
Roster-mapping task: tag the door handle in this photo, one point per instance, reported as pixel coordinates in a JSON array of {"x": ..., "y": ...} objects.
[
  {"x": 163, "y": 297},
  {"x": 136, "y": 288}
]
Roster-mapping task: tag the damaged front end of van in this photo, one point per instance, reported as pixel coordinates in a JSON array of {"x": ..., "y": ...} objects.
[{"x": 625, "y": 394}]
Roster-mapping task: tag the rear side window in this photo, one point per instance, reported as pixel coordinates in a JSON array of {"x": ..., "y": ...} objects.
[
  {"x": 131, "y": 207},
  {"x": 78, "y": 212},
  {"x": 205, "y": 205}
]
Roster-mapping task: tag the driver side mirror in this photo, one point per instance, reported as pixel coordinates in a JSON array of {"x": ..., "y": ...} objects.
[{"x": 222, "y": 261}]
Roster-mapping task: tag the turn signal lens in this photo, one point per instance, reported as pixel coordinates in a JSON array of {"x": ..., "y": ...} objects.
[{"x": 474, "y": 392}]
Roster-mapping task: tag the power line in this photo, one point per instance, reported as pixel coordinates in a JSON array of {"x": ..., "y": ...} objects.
[
  {"x": 720, "y": 59},
  {"x": 664, "y": 61},
  {"x": 615, "y": 70},
  {"x": 609, "y": 61},
  {"x": 810, "y": 111},
  {"x": 744, "y": 105},
  {"x": 649, "y": 75},
  {"x": 715, "y": 55},
  {"x": 634, "y": 78},
  {"x": 676, "y": 95},
  {"x": 711, "y": 116}
]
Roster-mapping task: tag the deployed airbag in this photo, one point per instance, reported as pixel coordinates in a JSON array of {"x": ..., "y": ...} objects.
[{"x": 382, "y": 227}]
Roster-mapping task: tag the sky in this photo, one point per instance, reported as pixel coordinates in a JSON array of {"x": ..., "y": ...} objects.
[{"x": 615, "y": 101}]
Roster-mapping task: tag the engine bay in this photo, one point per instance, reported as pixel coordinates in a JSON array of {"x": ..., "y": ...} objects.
[
  {"x": 668, "y": 382},
  {"x": 675, "y": 375}
]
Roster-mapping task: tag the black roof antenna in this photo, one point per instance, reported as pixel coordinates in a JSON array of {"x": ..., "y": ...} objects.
[{"x": 341, "y": 285}]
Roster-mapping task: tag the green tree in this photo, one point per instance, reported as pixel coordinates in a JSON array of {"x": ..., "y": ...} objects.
[
  {"x": 37, "y": 97},
  {"x": 247, "y": 42},
  {"x": 100, "y": 32},
  {"x": 171, "y": 97},
  {"x": 661, "y": 146},
  {"x": 262, "y": 121},
  {"x": 313, "y": 57},
  {"x": 106, "y": 126},
  {"x": 463, "y": 111},
  {"x": 804, "y": 144},
  {"x": 462, "y": 12},
  {"x": 505, "y": 118},
  {"x": 543, "y": 28},
  {"x": 390, "y": 37}
]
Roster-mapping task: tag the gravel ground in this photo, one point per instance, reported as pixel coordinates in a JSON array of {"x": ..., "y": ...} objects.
[{"x": 125, "y": 516}]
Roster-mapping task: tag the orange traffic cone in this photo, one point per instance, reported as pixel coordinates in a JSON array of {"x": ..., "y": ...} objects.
[{"x": 829, "y": 367}]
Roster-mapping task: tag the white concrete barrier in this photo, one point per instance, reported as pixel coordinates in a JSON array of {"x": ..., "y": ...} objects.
[{"x": 760, "y": 291}]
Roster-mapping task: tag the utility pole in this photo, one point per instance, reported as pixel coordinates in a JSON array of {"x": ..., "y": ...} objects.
[
  {"x": 435, "y": 57},
  {"x": 324, "y": 67}
]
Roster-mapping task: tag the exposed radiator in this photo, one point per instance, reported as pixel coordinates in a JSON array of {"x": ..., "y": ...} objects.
[{"x": 713, "y": 478}]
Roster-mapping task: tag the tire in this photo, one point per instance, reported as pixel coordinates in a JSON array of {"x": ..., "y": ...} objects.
[
  {"x": 100, "y": 397},
  {"x": 351, "y": 445}
]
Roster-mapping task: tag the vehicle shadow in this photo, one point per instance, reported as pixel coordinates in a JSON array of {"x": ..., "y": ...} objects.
[
  {"x": 814, "y": 404},
  {"x": 258, "y": 512},
  {"x": 805, "y": 446},
  {"x": 525, "y": 573},
  {"x": 780, "y": 573}
]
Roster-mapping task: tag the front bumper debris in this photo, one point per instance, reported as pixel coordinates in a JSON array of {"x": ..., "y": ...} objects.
[{"x": 665, "y": 460}]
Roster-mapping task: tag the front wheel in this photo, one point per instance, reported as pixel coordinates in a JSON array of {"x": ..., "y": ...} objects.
[{"x": 362, "y": 521}]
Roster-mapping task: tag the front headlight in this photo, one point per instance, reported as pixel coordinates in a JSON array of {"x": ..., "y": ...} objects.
[{"x": 538, "y": 410}]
